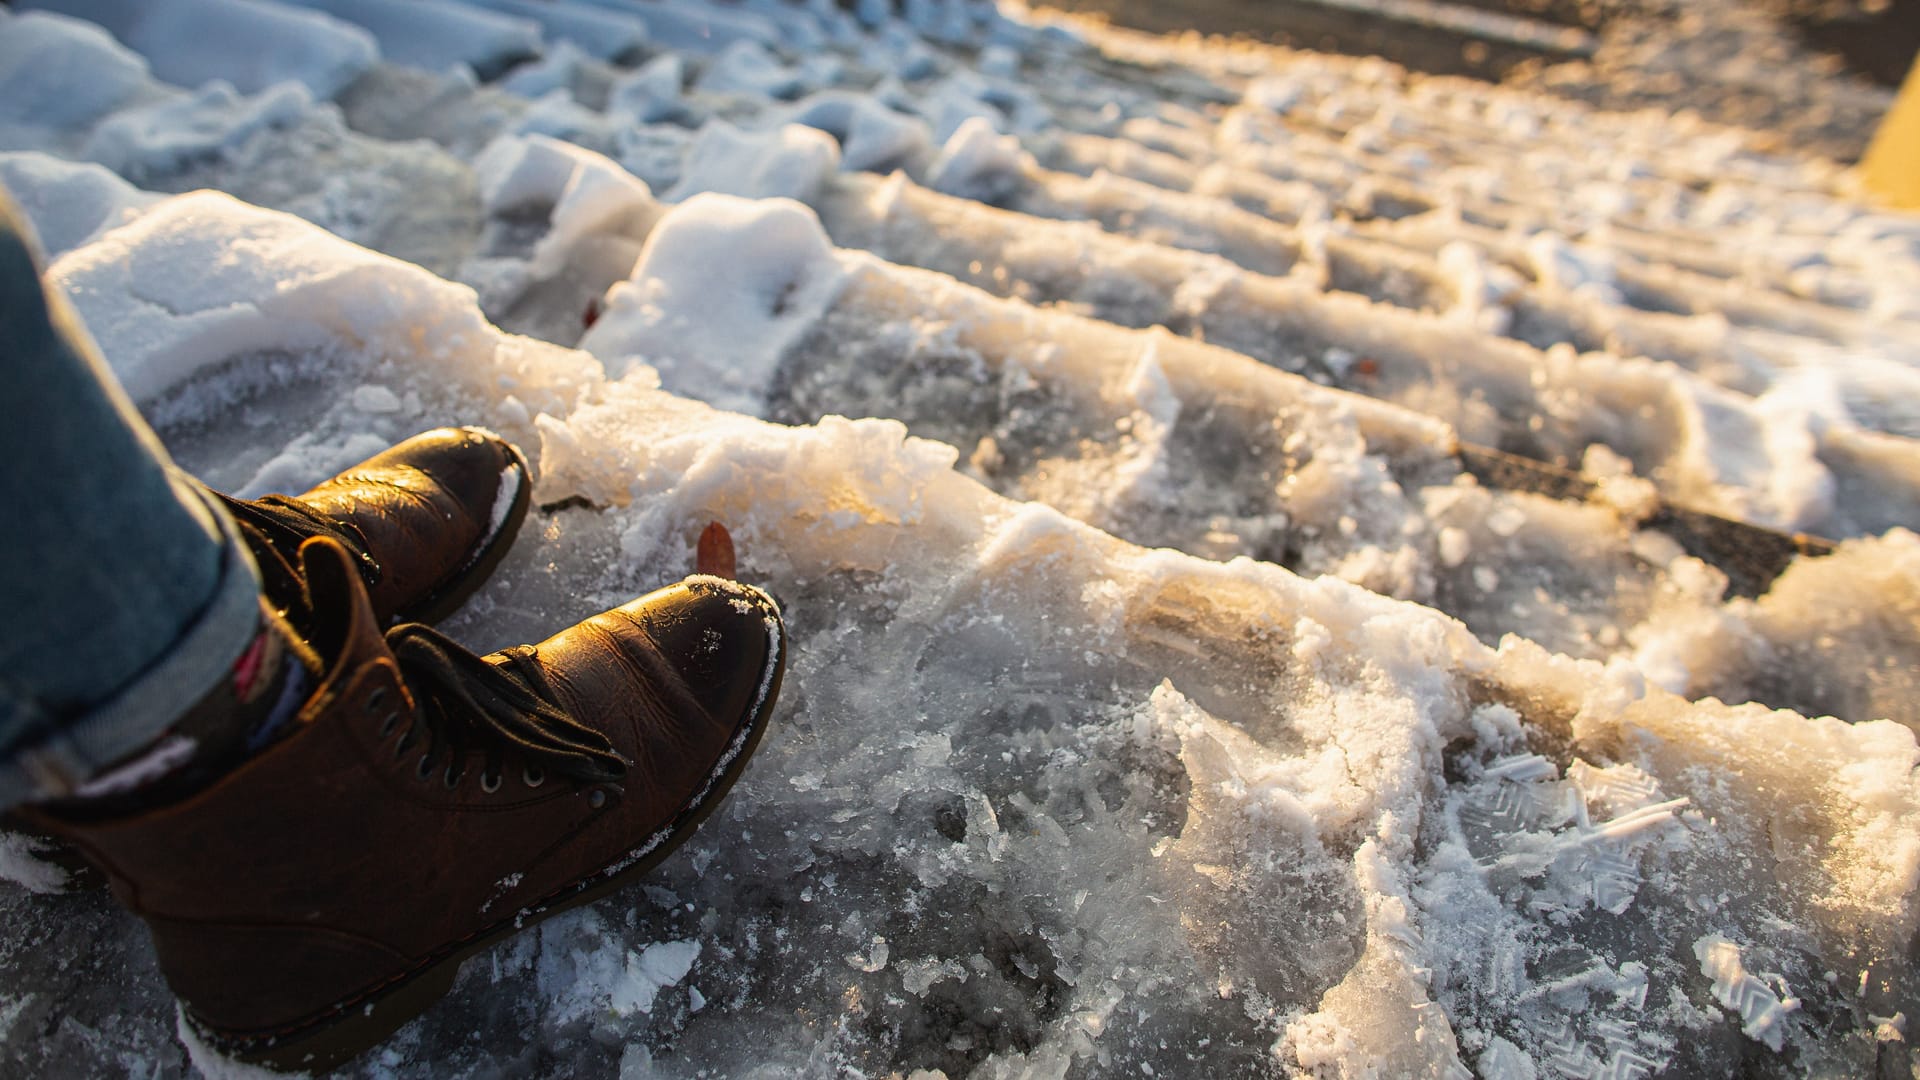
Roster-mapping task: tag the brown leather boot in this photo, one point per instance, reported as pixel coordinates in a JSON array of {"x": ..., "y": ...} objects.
[
  {"x": 427, "y": 521},
  {"x": 430, "y": 802}
]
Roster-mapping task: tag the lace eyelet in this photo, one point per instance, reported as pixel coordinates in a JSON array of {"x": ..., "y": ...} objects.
[
  {"x": 533, "y": 776},
  {"x": 451, "y": 778},
  {"x": 376, "y": 699},
  {"x": 597, "y": 798},
  {"x": 425, "y": 768},
  {"x": 489, "y": 783},
  {"x": 388, "y": 723}
]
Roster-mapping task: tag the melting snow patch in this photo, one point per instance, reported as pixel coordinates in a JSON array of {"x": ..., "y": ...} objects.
[
  {"x": 723, "y": 287},
  {"x": 790, "y": 162},
  {"x": 20, "y": 863},
  {"x": 1762, "y": 1011}
]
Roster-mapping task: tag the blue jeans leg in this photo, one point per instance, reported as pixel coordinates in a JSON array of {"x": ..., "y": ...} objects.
[{"x": 126, "y": 591}]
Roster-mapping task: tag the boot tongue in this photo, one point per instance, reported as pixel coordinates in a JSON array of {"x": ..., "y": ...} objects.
[{"x": 336, "y": 615}]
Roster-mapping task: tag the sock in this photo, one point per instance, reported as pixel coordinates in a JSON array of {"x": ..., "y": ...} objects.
[{"x": 246, "y": 712}]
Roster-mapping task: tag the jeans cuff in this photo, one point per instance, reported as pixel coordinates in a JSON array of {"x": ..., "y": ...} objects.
[{"x": 138, "y": 712}]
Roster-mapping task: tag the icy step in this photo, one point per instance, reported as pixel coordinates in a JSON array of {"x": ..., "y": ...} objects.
[
  {"x": 696, "y": 28},
  {"x": 60, "y": 78},
  {"x": 1283, "y": 201},
  {"x": 439, "y": 34},
  {"x": 1490, "y": 579},
  {"x": 1027, "y": 778},
  {"x": 1343, "y": 93},
  {"x": 1810, "y": 296},
  {"x": 1551, "y": 405},
  {"x": 1774, "y": 269},
  {"x": 614, "y": 36},
  {"x": 1430, "y": 116},
  {"x": 1750, "y": 484},
  {"x": 1625, "y": 308},
  {"x": 1168, "y": 443},
  {"x": 68, "y": 203},
  {"x": 396, "y": 104},
  {"x": 276, "y": 148},
  {"x": 251, "y": 44},
  {"x": 1257, "y": 139}
]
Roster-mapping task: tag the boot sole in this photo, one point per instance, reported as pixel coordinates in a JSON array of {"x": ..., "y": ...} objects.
[
  {"x": 467, "y": 580},
  {"x": 346, "y": 1029}
]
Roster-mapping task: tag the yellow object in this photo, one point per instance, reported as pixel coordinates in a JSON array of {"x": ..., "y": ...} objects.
[{"x": 1891, "y": 168}]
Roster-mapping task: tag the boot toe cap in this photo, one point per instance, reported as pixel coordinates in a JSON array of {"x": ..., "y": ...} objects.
[{"x": 724, "y": 639}]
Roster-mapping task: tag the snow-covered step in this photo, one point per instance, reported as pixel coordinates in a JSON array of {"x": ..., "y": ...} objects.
[
  {"x": 251, "y": 44},
  {"x": 439, "y": 34},
  {"x": 1552, "y": 405},
  {"x": 1631, "y": 305},
  {"x": 1258, "y": 139},
  {"x": 1773, "y": 270},
  {"x": 276, "y": 148},
  {"x": 1785, "y": 500},
  {"x": 613, "y": 36},
  {"x": 1164, "y": 442},
  {"x": 1028, "y": 779},
  {"x": 1849, "y": 275},
  {"x": 1342, "y": 93}
]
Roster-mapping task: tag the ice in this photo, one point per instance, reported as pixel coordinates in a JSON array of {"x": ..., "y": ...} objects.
[
  {"x": 437, "y": 34},
  {"x": 650, "y": 92},
  {"x": 68, "y": 203},
  {"x": 1079, "y": 828},
  {"x": 746, "y": 67},
  {"x": 62, "y": 74},
  {"x": 789, "y": 162},
  {"x": 872, "y": 137},
  {"x": 23, "y": 862},
  {"x": 169, "y": 136},
  {"x": 251, "y": 44},
  {"x": 583, "y": 194},
  {"x": 167, "y": 280},
  {"x": 977, "y": 163},
  {"x": 1128, "y": 728},
  {"x": 606, "y": 35},
  {"x": 1763, "y": 1010}
]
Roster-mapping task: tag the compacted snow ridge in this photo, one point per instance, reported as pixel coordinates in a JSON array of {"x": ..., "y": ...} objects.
[{"x": 1293, "y": 567}]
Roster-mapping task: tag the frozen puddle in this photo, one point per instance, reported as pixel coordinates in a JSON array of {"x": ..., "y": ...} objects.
[{"x": 1167, "y": 695}]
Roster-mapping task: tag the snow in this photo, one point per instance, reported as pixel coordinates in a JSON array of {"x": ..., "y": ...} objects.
[
  {"x": 582, "y": 193},
  {"x": 22, "y": 862},
  {"x": 872, "y": 137},
  {"x": 1166, "y": 696},
  {"x": 790, "y": 162},
  {"x": 61, "y": 73},
  {"x": 68, "y": 203},
  {"x": 252, "y": 44},
  {"x": 721, "y": 288},
  {"x": 168, "y": 135},
  {"x": 1762, "y": 1011},
  {"x": 605, "y": 35},
  {"x": 437, "y": 34}
]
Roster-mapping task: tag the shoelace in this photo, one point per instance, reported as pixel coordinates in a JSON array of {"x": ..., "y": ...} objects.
[
  {"x": 467, "y": 703},
  {"x": 287, "y": 522}
]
